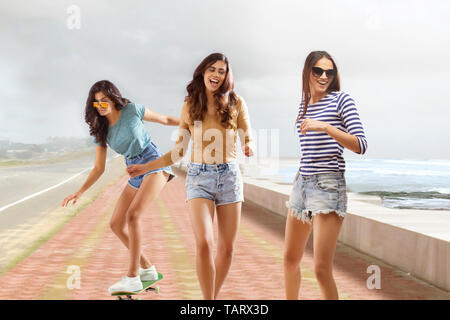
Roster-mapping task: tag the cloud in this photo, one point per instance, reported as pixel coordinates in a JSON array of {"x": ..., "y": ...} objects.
[{"x": 391, "y": 56}]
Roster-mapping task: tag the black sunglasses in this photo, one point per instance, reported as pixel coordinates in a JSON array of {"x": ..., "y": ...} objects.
[{"x": 318, "y": 72}]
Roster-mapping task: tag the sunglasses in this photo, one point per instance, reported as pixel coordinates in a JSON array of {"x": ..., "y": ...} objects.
[
  {"x": 318, "y": 72},
  {"x": 103, "y": 105}
]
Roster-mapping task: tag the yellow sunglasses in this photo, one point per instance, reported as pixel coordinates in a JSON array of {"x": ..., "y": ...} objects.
[{"x": 103, "y": 105}]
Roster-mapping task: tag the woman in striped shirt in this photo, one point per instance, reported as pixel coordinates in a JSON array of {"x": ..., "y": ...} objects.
[{"x": 327, "y": 123}]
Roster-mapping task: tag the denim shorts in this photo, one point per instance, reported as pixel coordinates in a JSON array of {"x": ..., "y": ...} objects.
[
  {"x": 221, "y": 183},
  {"x": 320, "y": 193},
  {"x": 151, "y": 152}
]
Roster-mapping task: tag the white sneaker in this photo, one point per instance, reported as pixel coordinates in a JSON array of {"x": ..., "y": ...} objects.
[
  {"x": 126, "y": 284},
  {"x": 148, "y": 274}
]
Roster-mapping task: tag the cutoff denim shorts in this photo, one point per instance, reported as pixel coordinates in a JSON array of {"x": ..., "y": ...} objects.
[
  {"x": 320, "y": 193},
  {"x": 221, "y": 183},
  {"x": 150, "y": 153}
]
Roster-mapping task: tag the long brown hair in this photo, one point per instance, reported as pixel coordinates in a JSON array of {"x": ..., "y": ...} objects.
[
  {"x": 310, "y": 61},
  {"x": 224, "y": 97},
  {"x": 98, "y": 125}
]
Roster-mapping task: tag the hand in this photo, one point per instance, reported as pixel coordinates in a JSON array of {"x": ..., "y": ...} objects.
[
  {"x": 295, "y": 178},
  {"x": 247, "y": 151},
  {"x": 313, "y": 125},
  {"x": 136, "y": 170},
  {"x": 73, "y": 197}
]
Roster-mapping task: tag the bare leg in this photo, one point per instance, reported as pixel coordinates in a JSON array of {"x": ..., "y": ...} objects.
[
  {"x": 326, "y": 232},
  {"x": 228, "y": 219},
  {"x": 201, "y": 212},
  {"x": 119, "y": 217},
  {"x": 296, "y": 237},
  {"x": 148, "y": 191}
]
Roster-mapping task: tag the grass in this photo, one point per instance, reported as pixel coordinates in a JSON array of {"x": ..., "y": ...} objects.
[
  {"x": 45, "y": 237},
  {"x": 64, "y": 158}
]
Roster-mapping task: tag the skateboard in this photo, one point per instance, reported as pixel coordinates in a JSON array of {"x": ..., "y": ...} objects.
[{"x": 147, "y": 286}]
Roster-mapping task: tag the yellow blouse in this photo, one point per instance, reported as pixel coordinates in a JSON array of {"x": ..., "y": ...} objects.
[{"x": 212, "y": 142}]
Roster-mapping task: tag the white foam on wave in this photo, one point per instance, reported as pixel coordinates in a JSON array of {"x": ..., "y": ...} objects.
[
  {"x": 359, "y": 169},
  {"x": 418, "y": 162},
  {"x": 428, "y": 204},
  {"x": 397, "y": 172},
  {"x": 411, "y": 172}
]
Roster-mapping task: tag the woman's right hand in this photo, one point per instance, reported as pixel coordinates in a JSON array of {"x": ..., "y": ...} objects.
[
  {"x": 73, "y": 197},
  {"x": 295, "y": 178},
  {"x": 247, "y": 150},
  {"x": 137, "y": 170}
]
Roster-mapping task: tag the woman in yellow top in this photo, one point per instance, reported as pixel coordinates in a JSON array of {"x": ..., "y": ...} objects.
[{"x": 212, "y": 115}]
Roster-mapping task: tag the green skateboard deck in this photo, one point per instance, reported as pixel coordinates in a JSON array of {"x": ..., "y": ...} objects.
[{"x": 147, "y": 286}]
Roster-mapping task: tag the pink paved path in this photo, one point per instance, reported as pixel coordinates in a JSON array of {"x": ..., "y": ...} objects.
[{"x": 87, "y": 243}]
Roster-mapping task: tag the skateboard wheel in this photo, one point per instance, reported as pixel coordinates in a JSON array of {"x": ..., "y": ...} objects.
[{"x": 157, "y": 290}]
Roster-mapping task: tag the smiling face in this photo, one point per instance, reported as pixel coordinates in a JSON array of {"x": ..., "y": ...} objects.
[
  {"x": 319, "y": 84},
  {"x": 101, "y": 97},
  {"x": 214, "y": 75}
]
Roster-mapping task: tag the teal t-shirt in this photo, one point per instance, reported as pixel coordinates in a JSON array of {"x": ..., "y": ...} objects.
[{"x": 128, "y": 136}]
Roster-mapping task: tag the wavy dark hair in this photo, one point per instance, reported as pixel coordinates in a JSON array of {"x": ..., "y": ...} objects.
[
  {"x": 224, "y": 97},
  {"x": 98, "y": 125},
  {"x": 310, "y": 61}
]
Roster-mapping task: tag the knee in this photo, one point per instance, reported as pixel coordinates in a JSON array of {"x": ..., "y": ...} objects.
[
  {"x": 226, "y": 251},
  {"x": 323, "y": 272},
  {"x": 292, "y": 259},
  {"x": 133, "y": 216},
  {"x": 116, "y": 226},
  {"x": 204, "y": 247}
]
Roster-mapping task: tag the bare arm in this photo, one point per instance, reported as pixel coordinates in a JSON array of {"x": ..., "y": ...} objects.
[
  {"x": 347, "y": 140},
  {"x": 94, "y": 175},
  {"x": 244, "y": 130},
  {"x": 166, "y": 120},
  {"x": 171, "y": 157},
  {"x": 168, "y": 159}
]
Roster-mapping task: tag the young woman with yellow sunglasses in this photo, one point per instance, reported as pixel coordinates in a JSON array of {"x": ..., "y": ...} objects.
[{"x": 117, "y": 122}]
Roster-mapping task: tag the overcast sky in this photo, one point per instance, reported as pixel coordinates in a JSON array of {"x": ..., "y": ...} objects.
[{"x": 392, "y": 57}]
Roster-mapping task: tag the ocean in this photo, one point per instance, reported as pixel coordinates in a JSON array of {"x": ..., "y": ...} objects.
[{"x": 402, "y": 184}]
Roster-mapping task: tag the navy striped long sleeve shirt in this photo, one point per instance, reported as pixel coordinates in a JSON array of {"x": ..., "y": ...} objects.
[{"x": 320, "y": 152}]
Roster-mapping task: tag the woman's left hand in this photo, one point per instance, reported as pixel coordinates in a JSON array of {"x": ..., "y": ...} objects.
[
  {"x": 313, "y": 125},
  {"x": 136, "y": 170}
]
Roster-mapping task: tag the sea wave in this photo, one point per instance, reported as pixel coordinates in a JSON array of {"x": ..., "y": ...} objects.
[
  {"x": 417, "y": 162},
  {"x": 397, "y": 172},
  {"x": 401, "y": 183},
  {"x": 429, "y": 200},
  {"x": 409, "y": 195},
  {"x": 411, "y": 172},
  {"x": 429, "y": 204},
  {"x": 440, "y": 190}
]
